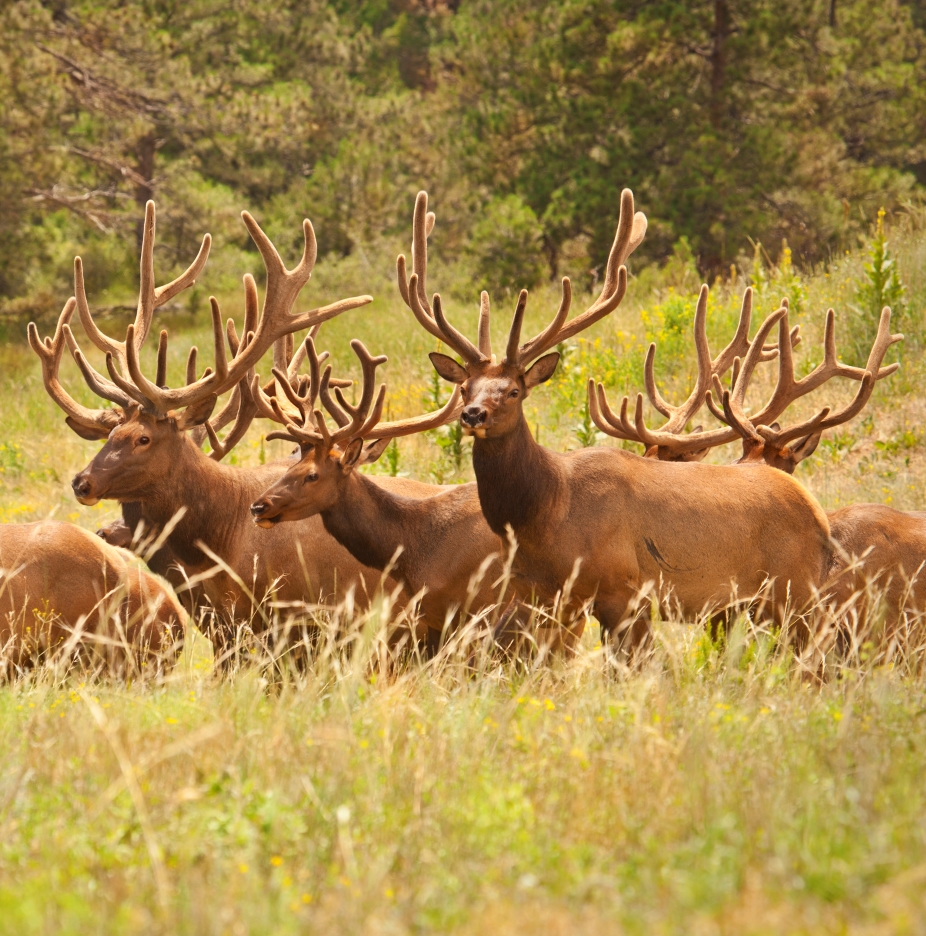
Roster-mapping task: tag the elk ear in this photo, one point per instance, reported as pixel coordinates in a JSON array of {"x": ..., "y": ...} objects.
[
  {"x": 448, "y": 368},
  {"x": 804, "y": 448},
  {"x": 542, "y": 370},
  {"x": 350, "y": 457},
  {"x": 373, "y": 451},
  {"x": 93, "y": 433},
  {"x": 197, "y": 414}
]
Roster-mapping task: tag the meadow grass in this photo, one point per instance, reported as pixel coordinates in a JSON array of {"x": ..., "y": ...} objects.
[{"x": 714, "y": 788}]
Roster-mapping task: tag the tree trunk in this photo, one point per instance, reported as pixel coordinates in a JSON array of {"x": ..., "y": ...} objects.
[{"x": 719, "y": 59}]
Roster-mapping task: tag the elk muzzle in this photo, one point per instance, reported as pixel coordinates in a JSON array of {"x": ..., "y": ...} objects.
[
  {"x": 83, "y": 490},
  {"x": 473, "y": 417},
  {"x": 262, "y": 513}
]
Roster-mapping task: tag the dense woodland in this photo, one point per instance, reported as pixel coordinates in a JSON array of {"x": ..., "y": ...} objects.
[{"x": 734, "y": 121}]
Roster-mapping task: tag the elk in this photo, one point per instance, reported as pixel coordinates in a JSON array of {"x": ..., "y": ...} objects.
[
  {"x": 61, "y": 588},
  {"x": 875, "y": 543},
  {"x": 439, "y": 546},
  {"x": 605, "y": 520},
  {"x": 149, "y": 458}
]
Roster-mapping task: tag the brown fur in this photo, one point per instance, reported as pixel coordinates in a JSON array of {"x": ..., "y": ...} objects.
[
  {"x": 896, "y": 561},
  {"x": 703, "y": 534},
  {"x": 299, "y": 562},
  {"x": 56, "y": 577},
  {"x": 443, "y": 536}
]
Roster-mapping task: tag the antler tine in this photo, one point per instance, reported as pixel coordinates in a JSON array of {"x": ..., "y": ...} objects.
[
  {"x": 605, "y": 418},
  {"x": 359, "y": 413},
  {"x": 485, "y": 338},
  {"x": 150, "y": 296},
  {"x": 163, "y": 400},
  {"x": 420, "y": 245},
  {"x": 787, "y": 389},
  {"x": 247, "y": 409},
  {"x": 631, "y": 229},
  {"x": 514, "y": 333},
  {"x": 161, "y": 373},
  {"x": 450, "y": 411},
  {"x": 95, "y": 381},
  {"x": 529, "y": 350},
  {"x": 50, "y": 352},
  {"x": 304, "y": 433},
  {"x": 414, "y": 289},
  {"x": 462, "y": 345},
  {"x": 755, "y": 354},
  {"x": 283, "y": 288},
  {"x": 422, "y": 312},
  {"x": 339, "y": 416}
]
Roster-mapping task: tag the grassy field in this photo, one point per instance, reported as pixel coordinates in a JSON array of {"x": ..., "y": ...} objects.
[{"x": 714, "y": 789}]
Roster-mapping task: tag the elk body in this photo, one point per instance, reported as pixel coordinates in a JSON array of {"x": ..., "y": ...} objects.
[
  {"x": 875, "y": 545},
  {"x": 438, "y": 545},
  {"x": 704, "y": 535},
  {"x": 58, "y": 581},
  {"x": 150, "y": 461}
]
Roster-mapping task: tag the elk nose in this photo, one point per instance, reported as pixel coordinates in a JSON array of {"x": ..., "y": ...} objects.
[
  {"x": 81, "y": 486},
  {"x": 473, "y": 416},
  {"x": 259, "y": 508}
]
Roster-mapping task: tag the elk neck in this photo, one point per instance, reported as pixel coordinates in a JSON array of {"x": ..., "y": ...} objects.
[
  {"x": 518, "y": 480},
  {"x": 215, "y": 499},
  {"x": 371, "y": 523}
]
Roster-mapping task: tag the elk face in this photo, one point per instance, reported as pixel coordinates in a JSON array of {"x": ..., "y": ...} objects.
[
  {"x": 493, "y": 394},
  {"x": 308, "y": 488},
  {"x": 314, "y": 484},
  {"x": 785, "y": 458},
  {"x": 138, "y": 457}
]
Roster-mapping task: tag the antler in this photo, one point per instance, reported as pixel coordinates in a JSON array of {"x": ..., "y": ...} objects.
[
  {"x": 758, "y": 428},
  {"x": 275, "y": 321},
  {"x": 631, "y": 229},
  {"x": 311, "y": 429},
  {"x": 50, "y": 352},
  {"x": 354, "y": 422},
  {"x": 670, "y": 441}
]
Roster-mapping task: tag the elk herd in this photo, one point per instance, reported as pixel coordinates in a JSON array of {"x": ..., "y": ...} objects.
[{"x": 541, "y": 540}]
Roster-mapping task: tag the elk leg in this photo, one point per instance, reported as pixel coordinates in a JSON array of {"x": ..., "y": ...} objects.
[{"x": 624, "y": 629}]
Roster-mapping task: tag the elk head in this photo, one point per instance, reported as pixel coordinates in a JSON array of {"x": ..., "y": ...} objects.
[
  {"x": 493, "y": 392},
  {"x": 329, "y": 457},
  {"x": 151, "y": 419},
  {"x": 764, "y": 440}
]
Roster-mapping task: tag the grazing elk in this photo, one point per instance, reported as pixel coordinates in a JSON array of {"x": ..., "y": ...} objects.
[
  {"x": 61, "y": 588},
  {"x": 606, "y": 519},
  {"x": 150, "y": 460},
  {"x": 439, "y": 546}
]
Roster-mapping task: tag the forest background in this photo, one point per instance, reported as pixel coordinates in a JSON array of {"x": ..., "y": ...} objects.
[{"x": 736, "y": 123}]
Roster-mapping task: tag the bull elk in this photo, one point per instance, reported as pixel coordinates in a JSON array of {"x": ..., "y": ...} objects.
[
  {"x": 63, "y": 588},
  {"x": 610, "y": 520},
  {"x": 150, "y": 460},
  {"x": 439, "y": 546},
  {"x": 877, "y": 544}
]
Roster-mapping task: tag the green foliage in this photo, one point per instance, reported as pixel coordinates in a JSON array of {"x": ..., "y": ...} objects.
[
  {"x": 391, "y": 458},
  {"x": 524, "y": 120},
  {"x": 772, "y": 282},
  {"x": 880, "y": 287},
  {"x": 505, "y": 246}
]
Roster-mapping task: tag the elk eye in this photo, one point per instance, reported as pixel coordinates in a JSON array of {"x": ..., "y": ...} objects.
[
  {"x": 143, "y": 440},
  {"x": 513, "y": 393},
  {"x": 310, "y": 477}
]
